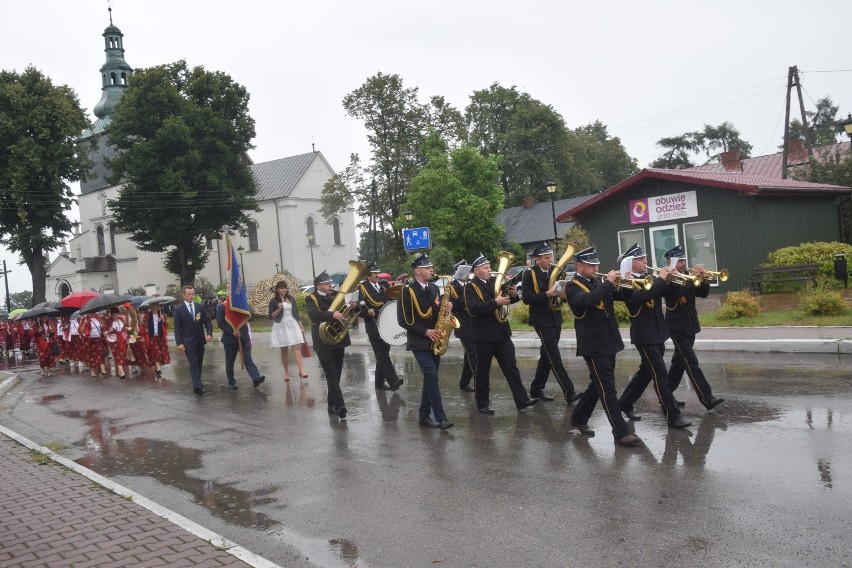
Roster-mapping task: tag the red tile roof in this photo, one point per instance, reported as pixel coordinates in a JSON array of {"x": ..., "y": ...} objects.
[{"x": 770, "y": 165}]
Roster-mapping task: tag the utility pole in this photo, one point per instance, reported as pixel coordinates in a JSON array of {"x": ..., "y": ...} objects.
[
  {"x": 374, "y": 221},
  {"x": 793, "y": 79},
  {"x": 5, "y": 274}
]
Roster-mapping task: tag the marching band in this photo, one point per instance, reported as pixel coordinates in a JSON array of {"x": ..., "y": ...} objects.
[{"x": 474, "y": 306}]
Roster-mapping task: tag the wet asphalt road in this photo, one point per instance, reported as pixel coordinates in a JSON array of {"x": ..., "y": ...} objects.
[{"x": 766, "y": 480}]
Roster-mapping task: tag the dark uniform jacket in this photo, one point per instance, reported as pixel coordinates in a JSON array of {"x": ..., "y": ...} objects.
[
  {"x": 228, "y": 330},
  {"x": 647, "y": 324},
  {"x": 317, "y": 307},
  {"x": 456, "y": 292},
  {"x": 534, "y": 284},
  {"x": 681, "y": 315},
  {"x": 372, "y": 300},
  {"x": 595, "y": 324},
  {"x": 481, "y": 305},
  {"x": 417, "y": 312}
]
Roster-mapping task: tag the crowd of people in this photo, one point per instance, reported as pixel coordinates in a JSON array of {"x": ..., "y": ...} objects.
[{"x": 473, "y": 306}]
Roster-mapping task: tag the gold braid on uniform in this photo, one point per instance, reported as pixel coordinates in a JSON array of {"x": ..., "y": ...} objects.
[
  {"x": 600, "y": 306},
  {"x": 415, "y": 306},
  {"x": 366, "y": 295},
  {"x": 451, "y": 290}
]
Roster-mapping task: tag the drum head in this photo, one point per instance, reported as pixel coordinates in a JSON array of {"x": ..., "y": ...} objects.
[{"x": 389, "y": 329}]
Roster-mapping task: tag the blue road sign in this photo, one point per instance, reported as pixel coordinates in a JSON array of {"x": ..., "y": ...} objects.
[{"x": 417, "y": 239}]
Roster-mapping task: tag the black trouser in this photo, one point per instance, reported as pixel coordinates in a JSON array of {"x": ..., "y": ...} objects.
[
  {"x": 684, "y": 359},
  {"x": 602, "y": 386},
  {"x": 469, "y": 363},
  {"x": 652, "y": 368},
  {"x": 504, "y": 352},
  {"x": 550, "y": 360},
  {"x": 331, "y": 361},
  {"x": 385, "y": 371}
]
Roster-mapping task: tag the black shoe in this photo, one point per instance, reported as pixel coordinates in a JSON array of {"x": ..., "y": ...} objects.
[
  {"x": 486, "y": 410},
  {"x": 527, "y": 403},
  {"x": 445, "y": 424},
  {"x": 583, "y": 428},
  {"x": 158, "y": 374},
  {"x": 341, "y": 412},
  {"x": 631, "y": 414},
  {"x": 232, "y": 387},
  {"x": 713, "y": 402},
  {"x": 542, "y": 396},
  {"x": 466, "y": 388},
  {"x": 396, "y": 385},
  {"x": 428, "y": 422},
  {"x": 630, "y": 441},
  {"x": 260, "y": 379},
  {"x": 678, "y": 403},
  {"x": 199, "y": 390},
  {"x": 679, "y": 423}
]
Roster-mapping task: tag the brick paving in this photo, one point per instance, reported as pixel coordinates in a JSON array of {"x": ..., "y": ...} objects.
[{"x": 53, "y": 517}]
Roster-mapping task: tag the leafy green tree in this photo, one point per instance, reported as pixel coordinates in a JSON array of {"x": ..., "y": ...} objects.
[
  {"x": 684, "y": 150},
  {"x": 600, "y": 160},
  {"x": 823, "y": 124},
  {"x": 835, "y": 169},
  {"x": 22, "y": 300},
  {"x": 458, "y": 196},
  {"x": 181, "y": 136},
  {"x": 40, "y": 153}
]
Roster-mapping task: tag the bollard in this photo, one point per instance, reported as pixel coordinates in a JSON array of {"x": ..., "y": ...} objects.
[{"x": 841, "y": 271}]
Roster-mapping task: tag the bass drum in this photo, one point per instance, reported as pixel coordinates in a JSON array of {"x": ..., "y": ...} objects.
[{"x": 389, "y": 329}]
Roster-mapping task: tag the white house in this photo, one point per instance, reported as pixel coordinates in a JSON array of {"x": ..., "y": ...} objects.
[{"x": 101, "y": 257}]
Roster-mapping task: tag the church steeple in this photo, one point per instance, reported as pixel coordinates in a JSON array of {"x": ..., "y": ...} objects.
[{"x": 115, "y": 72}]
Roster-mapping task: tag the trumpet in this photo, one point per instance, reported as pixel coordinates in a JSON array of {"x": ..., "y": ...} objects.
[
  {"x": 680, "y": 278},
  {"x": 710, "y": 276},
  {"x": 631, "y": 283}
]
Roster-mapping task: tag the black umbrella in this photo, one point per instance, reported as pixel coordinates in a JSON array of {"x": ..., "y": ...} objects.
[
  {"x": 137, "y": 301},
  {"x": 42, "y": 311},
  {"x": 103, "y": 302}
]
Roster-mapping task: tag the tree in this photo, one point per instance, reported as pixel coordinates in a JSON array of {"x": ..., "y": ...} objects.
[
  {"x": 458, "y": 196},
  {"x": 823, "y": 124},
  {"x": 22, "y": 300},
  {"x": 712, "y": 141},
  {"x": 181, "y": 136},
  {"x": 833, "y": 169},
  {"x": 40, "y": 153},
  {"x": 600, "y": 160}
]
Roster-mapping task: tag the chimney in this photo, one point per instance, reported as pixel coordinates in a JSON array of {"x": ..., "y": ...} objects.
[
  {"x": 796, "y": 152},
  {"x": 731, "y": 161},
  {"x": 528, "y": 201}
]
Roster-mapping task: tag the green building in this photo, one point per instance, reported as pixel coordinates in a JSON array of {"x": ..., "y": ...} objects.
[{"x": 725, "y": 220}]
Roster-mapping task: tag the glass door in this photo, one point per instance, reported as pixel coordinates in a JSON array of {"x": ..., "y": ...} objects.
[
  {"x": 700, "y": 245},
  {"x": 663, "y": 239}
]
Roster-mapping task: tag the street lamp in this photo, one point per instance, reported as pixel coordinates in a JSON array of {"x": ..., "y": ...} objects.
[
  {"x": 5, "y": 274},
  {"x": 408, "y": 217},
  {"x": 551, "y": 189},
  {"x": 276, "y": 268},
  {"x": 847, "y": 127},
  {"x": 241, "y": 250},
  {"x": 310, "y": 237}
]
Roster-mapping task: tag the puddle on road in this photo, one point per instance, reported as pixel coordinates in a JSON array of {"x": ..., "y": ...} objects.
[{"x": 168, "y": 463}]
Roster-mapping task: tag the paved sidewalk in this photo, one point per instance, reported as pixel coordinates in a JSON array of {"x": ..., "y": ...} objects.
[{"x": 54, "y": 517}]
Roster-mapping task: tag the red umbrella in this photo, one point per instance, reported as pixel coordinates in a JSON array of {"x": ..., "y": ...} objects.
[{"x": 77, "y": 299}]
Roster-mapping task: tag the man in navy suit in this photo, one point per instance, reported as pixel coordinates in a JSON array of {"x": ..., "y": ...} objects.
[
  {"x": 191, "y": 322},
  {"x": 231, "y": 342}
]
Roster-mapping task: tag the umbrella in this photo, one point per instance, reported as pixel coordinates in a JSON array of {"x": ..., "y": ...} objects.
[
  {"x": 103, "y": 302},
  {"x": 158, "y": 300},
  {"x": 77, "y": 299},
  {"x": 55, "y": 305},
  {"x": 137, "y": 301},
  {"x": 16, "y": 313},
  {"x": 41, "y": 311},
  {"x": 4, "y": 314},
  {"x": 384, "y": 275},
  {"x": 264, "y": 290}
]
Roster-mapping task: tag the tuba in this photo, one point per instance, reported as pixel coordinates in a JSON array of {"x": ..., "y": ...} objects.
[
  {"x": 446, "y": 322},
  {"x": 333, "y": 332},
  {"x": 555, "y": 303},
  {"x": 504, "y": 259}
]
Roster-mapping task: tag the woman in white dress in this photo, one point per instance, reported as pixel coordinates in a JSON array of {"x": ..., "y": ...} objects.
[{"x": 287, "y": 331}]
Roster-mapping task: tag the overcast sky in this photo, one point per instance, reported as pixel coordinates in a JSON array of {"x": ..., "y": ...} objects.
[{"x": 645, "y": 69}]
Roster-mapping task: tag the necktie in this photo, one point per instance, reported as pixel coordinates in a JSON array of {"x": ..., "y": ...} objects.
[{"x": 191, "y": 310}]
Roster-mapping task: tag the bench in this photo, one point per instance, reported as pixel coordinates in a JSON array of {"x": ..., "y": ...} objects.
[{"x": 777, "y": 274}]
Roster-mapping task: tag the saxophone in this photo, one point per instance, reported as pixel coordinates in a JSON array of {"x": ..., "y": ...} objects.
[
  {"x": 555, "y": 303},
  {"x": 333, "y": 332},
  {"x": 446, "y": 322}
]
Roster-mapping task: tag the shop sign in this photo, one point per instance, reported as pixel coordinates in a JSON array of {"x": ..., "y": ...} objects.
[{"x": 663, "y": 208}]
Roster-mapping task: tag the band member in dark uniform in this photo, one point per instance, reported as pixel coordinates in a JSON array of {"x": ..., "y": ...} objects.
[
  {"x": 546, "y": 318},
  {"x": 456, "y": 291},
  {"x": 682, "y": 319},
  {"x": 648, "y": 332},
  {"x": 330, "y": 357},
  {"x": 491, "y": 337},
  {"x": 371, "y": 300},
  {"x": 598, "y": 341},
  {"x": 417, "y": 312}
]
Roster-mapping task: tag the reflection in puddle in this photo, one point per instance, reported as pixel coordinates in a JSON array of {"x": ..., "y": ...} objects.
[
  {"x": 331, "y": 553},
  {"x": 168, "y": 463}
]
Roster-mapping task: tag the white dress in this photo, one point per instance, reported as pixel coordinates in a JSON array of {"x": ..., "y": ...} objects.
[{"x": 286, "y": 332}]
